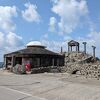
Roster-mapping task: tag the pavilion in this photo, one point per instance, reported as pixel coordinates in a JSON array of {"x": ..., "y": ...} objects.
[
  {"x": 72, "y": 44},
  {"x": 36, "y": 54}
]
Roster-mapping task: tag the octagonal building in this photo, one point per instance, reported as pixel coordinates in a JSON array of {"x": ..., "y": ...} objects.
[{"x": 35, "y": 54}]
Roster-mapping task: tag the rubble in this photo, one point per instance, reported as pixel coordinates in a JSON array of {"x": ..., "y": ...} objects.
[{"x": 82, "y": 63}]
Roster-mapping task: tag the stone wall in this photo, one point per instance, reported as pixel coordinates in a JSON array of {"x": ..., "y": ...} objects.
[{"x": 82, "y": 64}]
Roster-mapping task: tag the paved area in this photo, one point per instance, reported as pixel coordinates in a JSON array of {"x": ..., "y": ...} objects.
[
  {"x": 11, "y": 94},
  {"x": 48, "y": 86}
]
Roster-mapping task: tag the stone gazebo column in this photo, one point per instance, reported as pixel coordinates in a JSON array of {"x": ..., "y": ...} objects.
[
  {"x": 94, "y": 51},
  {"x": 78, "y": 47},
  {"x": 84, "y": 43},
  {"x": 68, "y": 49},
  {"x": 71, "y": 48}
]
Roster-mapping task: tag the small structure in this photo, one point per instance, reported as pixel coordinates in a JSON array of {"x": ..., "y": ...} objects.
[
  {"x": 34, "y": 54},
  {"x": 71, "y": 44}
]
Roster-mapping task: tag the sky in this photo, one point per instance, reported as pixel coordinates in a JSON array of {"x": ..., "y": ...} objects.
[{"x": 52, "y": 22}]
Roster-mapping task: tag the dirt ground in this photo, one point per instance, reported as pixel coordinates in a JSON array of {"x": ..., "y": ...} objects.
[{"x": 52, "y": 86}]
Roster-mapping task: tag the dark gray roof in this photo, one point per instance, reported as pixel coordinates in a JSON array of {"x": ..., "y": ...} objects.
[{"x": 34, "y": 50}]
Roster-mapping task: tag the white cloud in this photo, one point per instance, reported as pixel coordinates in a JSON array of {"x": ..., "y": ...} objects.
[
  {"x": 45, "y": 36},
  {"x": 95, "y": 38},
  {"x": 67, "y": 38},
  {"x": 52, "y": 24},
  {"x": 9, "y": 42},
  {"x": 6, "y": 14},
  {"x": 70, "y": 13},
  {"x": 92, "y": 38},
  {"x": 1, "y": 39},
  {"x": 54, "y": 45},
  {"x": 13, "y": 40},
  {"x": 31, "y": 14}
]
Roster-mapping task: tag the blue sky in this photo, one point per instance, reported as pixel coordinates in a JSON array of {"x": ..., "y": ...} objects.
[{"x": 52, "y": 22}]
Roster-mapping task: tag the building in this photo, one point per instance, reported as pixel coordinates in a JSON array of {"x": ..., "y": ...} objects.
[
  {"x": 72, "y": 44},
  {"x": 35, "y": 54}
]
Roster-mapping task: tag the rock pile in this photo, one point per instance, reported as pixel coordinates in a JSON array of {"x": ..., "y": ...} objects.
[
  {"x": 82, "y": 63},
  {"x": 19, "y": 69}
]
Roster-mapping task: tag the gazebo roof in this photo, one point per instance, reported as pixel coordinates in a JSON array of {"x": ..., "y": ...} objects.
[{"x": 73, "y": 43}]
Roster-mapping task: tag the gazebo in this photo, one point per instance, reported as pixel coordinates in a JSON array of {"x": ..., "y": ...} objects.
[
  {"x": 36, "y": 54},
  {"x": 72, "y": 44}
]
